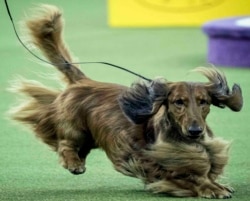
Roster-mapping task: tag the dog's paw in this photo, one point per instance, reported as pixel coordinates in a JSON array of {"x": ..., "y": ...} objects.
[
  {"x": 76, "y": 169},
  {"x": 216, "y": 194},
  {"x": 74, "y": 166},
  {"x": 229, "y": 189},
  {"x": 226, "y": 188}
]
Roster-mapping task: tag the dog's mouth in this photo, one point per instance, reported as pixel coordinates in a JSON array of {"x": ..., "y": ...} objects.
[{"x": 194, "y": 137}]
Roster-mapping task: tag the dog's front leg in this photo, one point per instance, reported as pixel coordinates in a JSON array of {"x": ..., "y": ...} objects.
[
  {"x": 218, "y": 153},
  {"x": 210, "y": 189}
]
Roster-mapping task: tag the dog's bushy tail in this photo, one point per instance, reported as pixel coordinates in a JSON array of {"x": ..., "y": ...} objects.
[
  {"x": 37, "y": 111},
  {"x": 45, "y": 29}
]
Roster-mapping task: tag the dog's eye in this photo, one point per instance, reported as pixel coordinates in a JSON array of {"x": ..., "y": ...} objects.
[{"x": 179, "y": 102}]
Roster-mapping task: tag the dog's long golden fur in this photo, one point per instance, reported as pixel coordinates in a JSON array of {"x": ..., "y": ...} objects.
[{"x": 155, "y": 131}]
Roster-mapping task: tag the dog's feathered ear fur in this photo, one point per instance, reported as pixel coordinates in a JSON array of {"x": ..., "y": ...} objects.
[
  {"x": 143, "y": 99},
  {"x": 219, "y": 90}
]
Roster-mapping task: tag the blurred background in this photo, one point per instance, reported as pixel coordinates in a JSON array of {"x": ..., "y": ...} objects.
[{"x": 159, "y": 39}]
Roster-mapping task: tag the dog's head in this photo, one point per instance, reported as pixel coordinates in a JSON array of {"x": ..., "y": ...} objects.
[{"x": 187, "y": 103}]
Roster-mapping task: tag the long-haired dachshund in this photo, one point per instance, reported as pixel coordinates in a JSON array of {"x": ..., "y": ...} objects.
[{"x": 155, "y": 131}]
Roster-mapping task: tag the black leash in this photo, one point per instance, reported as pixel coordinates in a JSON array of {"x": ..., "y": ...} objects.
[{"x": 43, "y": 60}]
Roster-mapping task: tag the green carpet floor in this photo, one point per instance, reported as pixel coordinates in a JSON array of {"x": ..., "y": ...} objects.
[{"x": 30, "y": 171}]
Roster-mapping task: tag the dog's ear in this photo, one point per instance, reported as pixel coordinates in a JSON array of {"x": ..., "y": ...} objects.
[
  {"x": 219, "y": 91},
  {"x": 143, "y": 99}
]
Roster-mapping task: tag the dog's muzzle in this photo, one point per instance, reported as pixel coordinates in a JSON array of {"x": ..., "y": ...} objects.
[{"x": 195, "y": 132}]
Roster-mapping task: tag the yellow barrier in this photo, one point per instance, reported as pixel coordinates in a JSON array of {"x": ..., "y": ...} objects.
[{"x": 156, "y": 13}]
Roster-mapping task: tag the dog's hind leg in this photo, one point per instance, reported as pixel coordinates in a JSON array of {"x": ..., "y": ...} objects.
[
  {"x": 68, "y": 147},
  {"x": 68, "y": 153},
  {"x": 73, "y": 147},
  {"x": 72, "y": 156}
]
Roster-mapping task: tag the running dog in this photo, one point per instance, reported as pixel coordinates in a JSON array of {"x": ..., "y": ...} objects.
[{"x": 154, "y": 130}]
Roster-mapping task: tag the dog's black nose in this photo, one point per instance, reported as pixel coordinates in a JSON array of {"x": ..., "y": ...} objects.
[{"x": 195, "y": 131}]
